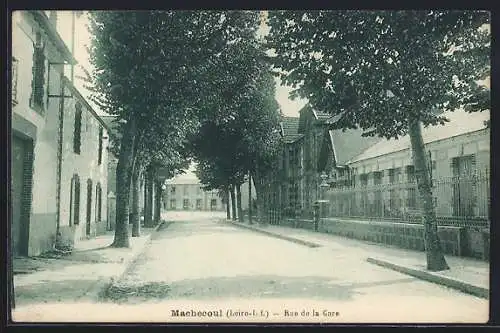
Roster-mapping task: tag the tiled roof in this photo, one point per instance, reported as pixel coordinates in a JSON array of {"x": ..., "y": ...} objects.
[
  {"x": 290, "y": 127},
  {"x": 320, "y": 115},
  {"x": 461, "y": 122}
]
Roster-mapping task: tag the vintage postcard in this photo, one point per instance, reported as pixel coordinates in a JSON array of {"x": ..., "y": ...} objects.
[{"x": 250, "y": 166}]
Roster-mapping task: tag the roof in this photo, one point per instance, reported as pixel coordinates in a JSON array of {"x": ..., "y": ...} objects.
[
  {"x": 320, "y": 115},
  {"x": 349, "y": 143},
  {"x": 290, "y": 127},
  {"x": 307, "y": 111},
  {"x": 461, "y": 122},
  {"x": 43, "y": 20},
  {"x": 183, "y": 181},
  {"x": 111, "y": 124}
]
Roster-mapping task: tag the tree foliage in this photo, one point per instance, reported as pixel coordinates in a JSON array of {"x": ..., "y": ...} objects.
[
  {"x": 378, "y": 69},
  {"x": 387, "y": 72}
]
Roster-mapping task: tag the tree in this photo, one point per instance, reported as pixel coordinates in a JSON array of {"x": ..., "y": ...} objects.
[
  {"x": 386, "y": 72},
  {"x": 152, "y": 67}
]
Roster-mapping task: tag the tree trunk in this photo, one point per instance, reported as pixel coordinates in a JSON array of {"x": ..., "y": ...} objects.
[
  {"x": 233, "y": 201},
  {"x": 238, "y": 202},
  {"x": 259, "y": 194},
  {"x": 148, "y": 205},
  {"x": 434, "y": 252},
  {"x": 123, "y": 177},
  {"x": 249, "y": 198},
  {"x": 135, "y": 214},
  {"x": 228, "y": 209},
  {"x": 158, "y": 202}
]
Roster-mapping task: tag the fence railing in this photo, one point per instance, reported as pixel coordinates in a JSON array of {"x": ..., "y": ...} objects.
[{"x": 457, "y": 201}]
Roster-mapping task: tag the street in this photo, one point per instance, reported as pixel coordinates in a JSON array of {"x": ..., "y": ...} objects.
[{"x": 201, "y": 262}]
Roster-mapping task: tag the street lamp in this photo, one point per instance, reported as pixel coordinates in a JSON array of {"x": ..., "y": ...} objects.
[{"x": 318, "y": 206}]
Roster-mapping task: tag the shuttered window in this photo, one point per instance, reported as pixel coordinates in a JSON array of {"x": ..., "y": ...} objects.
[
  {"x": 74, "y": 218},
  {"x": 77, "y": 133},
  {"x": 38, "y": 70}
]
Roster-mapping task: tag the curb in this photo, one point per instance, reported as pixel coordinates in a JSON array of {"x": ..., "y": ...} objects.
[
  {"x": 275, "y": 235},
  {"x": 462, "y": 286},
  {"x": 101, "y": 288}
]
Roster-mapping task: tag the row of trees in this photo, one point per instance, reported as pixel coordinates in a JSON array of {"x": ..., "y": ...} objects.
[
  {"x": 184, "y": 85},
  {"x": 197, "y": 85}
]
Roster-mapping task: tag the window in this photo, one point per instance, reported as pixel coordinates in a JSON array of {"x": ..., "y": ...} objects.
[
  {"x": 98, "y": 198},
  {"x": 198, "y": 204},
  {"x": 15, "y": 64},
  {"x": 213, "y": 204},
  {"x": 173, "y": 204},
  {"x": 394, "y": 175},
  {"x": 377, "y": 177},
  {"x": 38, "y": 70},
  {"x": 172, "y": 190},
  {"x": 74, "y": 201},
  {"x": 77, "y": 134},
  {"x": 99, "y": 156},
  {"x": 410, "y": 173},
  {"x": 363, "y": 178},
  {"x": 185, "y": 204}
]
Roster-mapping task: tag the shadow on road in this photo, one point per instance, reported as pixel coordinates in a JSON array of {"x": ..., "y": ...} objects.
[
  {"x": 264, "y": 286},
  {"x": 51, "y": 291}
]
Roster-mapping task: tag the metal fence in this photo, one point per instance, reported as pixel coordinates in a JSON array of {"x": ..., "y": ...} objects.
[{"x": 463, "y": 201}]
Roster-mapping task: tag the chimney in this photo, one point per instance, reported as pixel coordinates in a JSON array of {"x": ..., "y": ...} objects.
[{"x": 53, "y": 18}]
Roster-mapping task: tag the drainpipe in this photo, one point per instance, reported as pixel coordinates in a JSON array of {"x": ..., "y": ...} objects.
[
  {"x": 59, "y": 159},
  {"x": 72, "y": 43}
]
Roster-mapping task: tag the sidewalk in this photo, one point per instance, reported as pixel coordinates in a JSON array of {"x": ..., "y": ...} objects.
[
  {"x": 467, "y": 275},
  {"x": 79, "y": 276}
]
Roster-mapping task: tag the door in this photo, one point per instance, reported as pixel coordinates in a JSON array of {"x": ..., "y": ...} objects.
[
  {"x": 20, "y": 165},
  {"x": 463, "y": 187},
  {"x": 89, "y": 207}
]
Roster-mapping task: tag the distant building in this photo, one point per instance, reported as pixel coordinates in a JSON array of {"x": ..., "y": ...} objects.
[{"x": 184, "y": 193}]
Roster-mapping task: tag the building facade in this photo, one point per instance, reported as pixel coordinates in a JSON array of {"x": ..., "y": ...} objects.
[
  {"x": 188, "y": 194},
  {"x": 46, "y": 110},
  {"x": 381, "y": 181},
  {"x": 309, "y": 149}
]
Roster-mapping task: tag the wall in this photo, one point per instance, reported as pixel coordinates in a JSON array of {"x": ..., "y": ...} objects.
[
  {"x": 192, "y": 193},
  {"x": 442, "y": 153},
  {"x": 42, "y": 216},
  {"x": 86, "y": 166}
]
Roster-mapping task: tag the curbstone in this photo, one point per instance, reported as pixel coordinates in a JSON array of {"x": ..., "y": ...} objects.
[
  {"x": 434, "y": 278},
  {"x": 272, "y": 234},
  {"x": 100, "y": 288}
]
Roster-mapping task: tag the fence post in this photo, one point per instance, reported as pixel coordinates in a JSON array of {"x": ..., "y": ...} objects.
[{"x": 111, "y": 210}]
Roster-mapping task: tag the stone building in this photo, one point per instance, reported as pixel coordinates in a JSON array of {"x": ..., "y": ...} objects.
[
  {"x": 311, "y": 148},
  {"x": 45, "y": 106},
  {"x": 38, "y": 59},
  {"x": 84, "y": 169},
  {"x": 186, "y": 193},
  {"x": 458, "y": 156}
]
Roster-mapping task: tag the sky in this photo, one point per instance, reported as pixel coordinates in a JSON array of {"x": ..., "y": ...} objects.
[{"x": 82, "y": 38}]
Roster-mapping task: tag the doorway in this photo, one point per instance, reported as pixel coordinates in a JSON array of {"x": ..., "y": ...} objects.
[
  {"x": 21, "y": 173},
  {"x": 89, "y": 207},
  {"x": 463, "y": 185}
]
